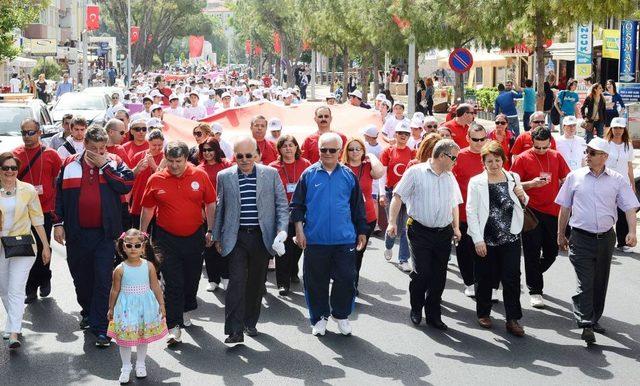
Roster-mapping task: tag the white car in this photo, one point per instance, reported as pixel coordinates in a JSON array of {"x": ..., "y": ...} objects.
[
  {"x": 14, "y": 108},
  {"x": 88, "y": 105}
]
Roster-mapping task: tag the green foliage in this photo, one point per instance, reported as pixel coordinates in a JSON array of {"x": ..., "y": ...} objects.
[
  {"x": 486, "y": 97},
  {"x": 15, "y": 14},
  {"x": 49, "y": 68}
]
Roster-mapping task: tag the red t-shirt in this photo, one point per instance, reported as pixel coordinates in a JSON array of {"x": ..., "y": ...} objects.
[
  {"x": 469, "y": 164},
  {"x": 132, "y": 149},
  {"x": 140, "y": 181},
  {"x": 396, "y": 161},
  {"x": 122, "y": 153},
  {"x": 505, "y": 146},
  {"x": 166, "y": 93},
  {"x": 530, "y": 165},
  {"x": 524, "y": 142},
  {"x": 43, "y": 173},
  {"x": 363, "y": 173},
  {"x": 458, "y": 132},
  {"x": 179, "y": 200},
  {"x": 310, "y": 149},
  {"x": 89, "y": 203},
  {"x": 266, "y": 81},
  {"x": 213, "y": 170},
  {"x": 290, "y": 173},
  {"x": 268, "y": 151}
]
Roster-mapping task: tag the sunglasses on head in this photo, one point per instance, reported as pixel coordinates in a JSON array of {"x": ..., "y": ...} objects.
[
  {"x": 29, "y": 133},
  {"x": 7, "y": 168},
  {"x": 133, "y": 246},
  {"x": 139, "y": 129},
  {"x": 207, "y": 150},
  {"x": 479, "y": 139},
  {"x": 328, "y": 149},
  {"x": 243, "y": 156},
  {"x": 453, "y": 158},
  {"x": 500, "y": 123}
]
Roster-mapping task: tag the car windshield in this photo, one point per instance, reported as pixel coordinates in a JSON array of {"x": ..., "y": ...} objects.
[
  {"x": 11, "y": 117},
  {"x": 80, "y": 102}
]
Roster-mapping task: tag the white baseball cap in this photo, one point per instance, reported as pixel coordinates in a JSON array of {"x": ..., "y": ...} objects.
[
  {"x": 599, "y": 144},
  {"x": 569, "y": 120},
  {"x": 216, "y": 128},
  {"x": 419, "y": 115},
  {"x": 416, "y": 122},
  {"x": 429, "y": 119},
  {"x": 381, "y": 97},
  {"x": 274, "y": 124},
  {"x": 225, "y": 95},
  {"x": 155, "y": 107},
  {"x": 403, "y": 127},
  {"x": 370, "y": 131},
  {"x": 387, "y": 103},
  {"x": 357, "y": 94},
  {"x": 172, "y": 97},
  {"x": 330, "y": 96},
  {"x": 618, "y": 122},
  {"x": 155, "y": 93},
  {"x": 154, "y": 122}
]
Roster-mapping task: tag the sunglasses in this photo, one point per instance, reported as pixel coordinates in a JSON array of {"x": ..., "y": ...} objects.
[
  {"x": 453, "y": 158},
  {"x": 479, "y": 139},
  {"x": 115, "y": 98},
  {"x": 207, "y": 150},
  {"x": 243, "y": 156},
  {"x": 500, "y": 123},
  {"x": 197, "y": 134},
  {"x": 133, "y": 246},
  {"x": 541, "y": 147},
  {"x": 139, "y": 129},
  {"x": 354, "y": 149},
  {"x": 324, "y": 150},
  {"x": 7, "y": 168},
  {"x": 431, "y": 126},
  {"x": 538, "y": 122},
  {"x": 593, "y": 153},
  {"x": 29, "y": 133},
  {"x": 471, "y": 112}
]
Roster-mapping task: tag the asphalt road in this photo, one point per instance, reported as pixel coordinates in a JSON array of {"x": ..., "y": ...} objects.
[{"x": 385, "y": 346}]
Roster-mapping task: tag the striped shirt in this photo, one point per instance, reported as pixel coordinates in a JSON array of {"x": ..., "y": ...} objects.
[{"x": 248, "y": 202}]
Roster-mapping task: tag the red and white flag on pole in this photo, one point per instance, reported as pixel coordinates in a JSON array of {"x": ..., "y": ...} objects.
[
  {"x": 135, "y": 34},
  {"x": 196, "y": 43},
  {"x": 93, "y": 17}
]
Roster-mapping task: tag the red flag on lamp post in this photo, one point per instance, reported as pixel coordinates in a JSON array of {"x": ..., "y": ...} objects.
[
  {"x": 276, "y": 42},
  {"x": 135, "y": 34},
  {"x": 93, "y": 17},
  {"x": 195, "y": 46},
  {"x": 257, "y": 49},
  {"x": 247, "y": 47}
]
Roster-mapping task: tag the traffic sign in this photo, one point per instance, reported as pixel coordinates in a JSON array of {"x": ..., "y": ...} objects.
[{"x": 461, "y": 60}]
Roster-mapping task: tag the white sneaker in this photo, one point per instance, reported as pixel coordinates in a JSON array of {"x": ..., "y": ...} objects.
[
  {"x": 6, "y": 335},
  {"x": 470, "y": 291},
  {"x": 343, "y": 326},
  {"x": 124, "y": 376},
  {"x": 626, "y": 249},
  {"x": 272, "y": 264},
  {"x": 405, "y": 266},
  {"x": 537, "y": 301},
  {"x": 212, "y": 286},
  {"x": 186, "y": 319},
  {"x": 494, "y": 295},
  {"x": 320, "y": 328},
  {"x": 388, "y": 254},
  {"x": 141, "y": 371},
  {"x": 224, "y": 284},
  {"x": 174, "y": 336}
]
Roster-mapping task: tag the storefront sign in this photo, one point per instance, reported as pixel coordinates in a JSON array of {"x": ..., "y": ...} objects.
[
  {"x": 584, "y": 44},
  {"x": 628, "y": 43},
  {"x": 40, "y": 46},
  {"x": 611, "y": 44},
  {"x": 630, "y": 92}
]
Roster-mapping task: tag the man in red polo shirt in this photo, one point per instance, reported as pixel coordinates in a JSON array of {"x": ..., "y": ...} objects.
[
  {"x": 468, "y": 164},
  {"x": 541, "y": 171},
  {"x": 323, "y": 119},
  {"x": 524, "y": 141},
  {"x": 267, "y": 149},
  {"x": 39, "y": 166},
  {"x": 177, "y": 195},
  {"x": 458, "y": 126}
]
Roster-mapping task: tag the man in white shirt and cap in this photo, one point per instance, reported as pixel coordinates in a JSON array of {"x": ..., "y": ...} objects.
[
  {"x": 225, "y": 100},
  {"x": 115, "y": 106},
  {"x": 147, "y": 102},
  {"x": 226, "y": 147},
  {"x": 157, "y": 96},
  {"x": 194, "y": 110},
  {"x": 240, "y": 99},
  {"x": 391, "y": 122},
  {"x": 416, "y": 133},
  {"x": 331, "y": 99},
  {"x": 379, "y": 99},
  {"x": 174, "y": 106},
  {"x": 274, "y": 126},
  {"x": 355, "y": 98}
]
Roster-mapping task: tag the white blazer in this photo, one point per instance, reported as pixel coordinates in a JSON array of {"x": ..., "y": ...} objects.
[{"x": 478, "y": 205}]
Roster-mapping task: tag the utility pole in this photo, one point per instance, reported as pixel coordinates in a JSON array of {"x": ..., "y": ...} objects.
[
  {"x": 128, "y": 42},
  {"x": 411, "y": 89},
  {"x": 85, "y": 48},
  {"x": 313, "y": 75}
]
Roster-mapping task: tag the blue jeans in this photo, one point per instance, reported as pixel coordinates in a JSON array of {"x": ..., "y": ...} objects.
[
  {"x": 599, "y": 126},
  {"x": 514, "y": 125},
  {"x": 403, "y": 255}
]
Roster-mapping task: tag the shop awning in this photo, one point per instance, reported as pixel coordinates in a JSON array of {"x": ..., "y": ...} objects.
[
  {"x": 22, "y": 62},
  {"x": 479, "y": 59}
]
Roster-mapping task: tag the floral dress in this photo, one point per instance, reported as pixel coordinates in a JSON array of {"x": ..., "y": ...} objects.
[{"x": 136, "y": 316}]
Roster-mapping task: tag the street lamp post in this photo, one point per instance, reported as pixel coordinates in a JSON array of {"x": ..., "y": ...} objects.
[
  {"x": 128, "y": 42},
  {"x": 411, "y": 89},
  {"x": 85, "y": 49}
]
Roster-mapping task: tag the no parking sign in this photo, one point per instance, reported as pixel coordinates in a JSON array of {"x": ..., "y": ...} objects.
[{"x": 461, "y": 60}]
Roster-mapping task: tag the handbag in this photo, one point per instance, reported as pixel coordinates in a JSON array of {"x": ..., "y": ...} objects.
[
  {"x": 530, "y": 221},
  {"x": 18, "y": 245}
]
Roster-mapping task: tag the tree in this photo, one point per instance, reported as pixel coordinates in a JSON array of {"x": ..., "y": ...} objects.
[{"x": 14, "y": 15}]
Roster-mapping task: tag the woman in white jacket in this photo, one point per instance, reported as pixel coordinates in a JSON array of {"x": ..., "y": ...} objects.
[{"x": 495, "y": 201}]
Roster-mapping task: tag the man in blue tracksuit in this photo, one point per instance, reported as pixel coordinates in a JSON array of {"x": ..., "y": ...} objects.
[
  {"x": 506, "y": 104},
  {"x": 327, "y": 209}
]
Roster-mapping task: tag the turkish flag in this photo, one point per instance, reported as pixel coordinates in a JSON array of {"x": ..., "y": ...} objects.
[
  {"x": 276, "y": 42},
  {"x": 400, "y": 22},
  {"x": 257, "y": 49},
  {"x": 135, "y": 34},
  {"x": 247, "y": 47},
  {"x": 195, "y": 46},
  {"x": 93, "y": 17}
]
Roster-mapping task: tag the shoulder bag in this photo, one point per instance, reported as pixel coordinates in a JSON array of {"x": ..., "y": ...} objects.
[
  {"x": 18, "y": 245},
  {"x": 530, "y": 219}
]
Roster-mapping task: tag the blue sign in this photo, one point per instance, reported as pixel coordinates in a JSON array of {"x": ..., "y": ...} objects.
[
  {"x": 628, "y": 46},
  {"x": 584, "y": 49},
  {"x": 461, "y": 60},
  {"x": 630, "y": 92}
]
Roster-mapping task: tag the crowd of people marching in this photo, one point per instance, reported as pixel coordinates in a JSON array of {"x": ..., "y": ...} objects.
[{"x": 139, "y": 214}]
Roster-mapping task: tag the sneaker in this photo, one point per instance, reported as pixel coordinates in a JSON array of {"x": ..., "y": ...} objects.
[
  {"x": 388, "y": 254},
  {"x": 470, "y": 291},
  {"x": 272, "y": 264},
  {"x": 625, "y": 249},
  {"x": 84, "y": 323},
  {"x": 174, "y": 336},
  {"x": 186, "y": 319},
  {"x": 103, "y": 341},
  {"x": 124, "y": 376},
  {"x": 283, "y": 291},
  {"x": 224, "y": 284},
  {"x": 212, "y": 286},
  {"x": 141, "y": 371},
  {"x": 494, "y": 295},
  {"x": 45, "y": 289},
  {"x": 537, "y": 301},
  {"x": 234, "y": 339},
  {"x": 320, "y": 328},
  {"x": 343, "y": 326},
  {"x": 405, "y": 266},
  {"x": 6, "y": 335}
]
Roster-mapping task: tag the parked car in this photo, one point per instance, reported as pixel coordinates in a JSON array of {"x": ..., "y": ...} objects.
[
  {"x": 106, "y": 90},
  {"x": 14, "y": 108},
  {"x": 88, "y": 105}
]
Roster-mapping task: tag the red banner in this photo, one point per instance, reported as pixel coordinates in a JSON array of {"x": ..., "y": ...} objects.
[
  {"x": 402, "y": 23},
  {"x": 247, "y": 47},
  {"x": 257, "y": 50},
  {"x": 276, "y": 42},
  {"x": 93, "y": 17},
  {"x": 195, "y": 46},
  {"x": 135, "y": 34}
]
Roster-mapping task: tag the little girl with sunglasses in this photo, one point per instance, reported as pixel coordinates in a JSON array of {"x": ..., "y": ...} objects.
[{"x": 136, "y": 305}]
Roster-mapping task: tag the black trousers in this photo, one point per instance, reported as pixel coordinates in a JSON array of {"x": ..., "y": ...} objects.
[
  {"x": 217, "y": 265},
  {"x": 430, "y": 249},
  {"x": 40, "y": 274},
  {"x": 505, "y": 260},
  {"x": 360, "y": 254},
  {"x": 287, "y": 264},
  {"x": 622, "y": 228},
  {"x": 543, "y": 238},
  {"x": 248, "y": 262},
  {"x": 181, "y": 268},
  {"x": 127, "y": 221},
  {"x": 466, "y": 254}
]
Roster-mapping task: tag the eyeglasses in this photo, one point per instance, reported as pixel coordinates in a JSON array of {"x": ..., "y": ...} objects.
[
  {"x": 243, "y": 156},
  {"x": 354, "y": 149},
  {"x": 431, "y": 126},
  {"x": 541, "y": 147},
  {"x": 479, "y": 139},
  {"x": 207, "y": 150},
  {"x": 453, "y": 158},
  {"x": 593, "y": 153},
  {"x": 139, "y": 129},
  {"x": 29, "y": 133},
  {"x": 7, "y": 168},
  {"x": 331, "y": 150},
  {"x": 538, "y": 122},
  {"x": 500, "y": 123},
  {"x": 197, "y": 134},
  {"x": 133, "y": 246}
]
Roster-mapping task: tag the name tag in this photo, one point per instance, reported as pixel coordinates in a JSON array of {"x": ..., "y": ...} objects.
[
  {"x": 291, "y": 188},
  {"x": 39, "y": 189}
]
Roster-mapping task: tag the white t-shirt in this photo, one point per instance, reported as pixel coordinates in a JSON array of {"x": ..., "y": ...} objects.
[
  {"x": 112, "y": 110},
  {"x": 78, "y": 145},
  {"x": 572, "y": 150},
  {"x": 619, "y": 158},
  {"x": 194, "y": 113},
  {"x": 413, "y": 143},
  {"x": 375, "y": 150},
  {"x": 141, "y": 115},
  {"x": 390, "y": 123},
  {"x": 177, "y": 111},
  {"x": 15, "y": 85}
]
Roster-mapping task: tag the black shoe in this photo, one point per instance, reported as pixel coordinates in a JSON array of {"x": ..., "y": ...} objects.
[
  {"x": 588, "y": 336},
  {"x": 31, "y": 297},
  {"x": 234, "y": 339},
  {"x": 295, "y": 279},
  {"x": 103, "y": 341},
  {"x": 283, "y": 291},
  {"x": 45, "y": 289},
  {"x": 251, "y": 331},
  {"x": 598, "y": 328},
  {"x": 84, "y": 323},
  {"x": 437, "y": 324},
  {"x": 416, "y": 317}
]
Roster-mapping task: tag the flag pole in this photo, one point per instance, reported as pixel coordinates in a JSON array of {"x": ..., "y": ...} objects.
[{"x": 128, "y": 42}]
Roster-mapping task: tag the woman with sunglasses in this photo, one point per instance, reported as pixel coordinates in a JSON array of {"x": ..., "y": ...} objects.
[
  {"x": 201, "y": 133},
  {"x": 20, "y": 211},
  {"x": 146, "y": 163},
  {"x": 504, "y": 136},
  {"x": 290, "y": 165},
  {"x": 213, "y": 161},
  {"x": 367, "y": 168},
  {"x": 593, "y": 112},
  {"x": 137, "y": 138}
]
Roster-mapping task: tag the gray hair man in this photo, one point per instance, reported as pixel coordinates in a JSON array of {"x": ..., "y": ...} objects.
[{"x": 524, "y": 141}]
